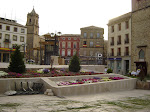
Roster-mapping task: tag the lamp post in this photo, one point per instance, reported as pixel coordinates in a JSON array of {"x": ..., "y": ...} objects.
[{"x": 24, "y": 48}]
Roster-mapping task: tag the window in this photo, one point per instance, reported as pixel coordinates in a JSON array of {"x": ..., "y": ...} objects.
[
  {"x": 126, "y": 51},
  {"x": 112, "y": 52},
  {"x": 119, "y": 27},
  {"x": 0, "y": 46},
  {"x": 141, "y": 54},
  {"x": 8, "y": 28},
  {"x": 15, "y": 29},
  {"x": 119, "y": 52},
  {"x": 13, "y": 46},
  {"x": 7, "y": 36},
  {"x": 75, "y": 38},
  {"x": 69, "y": 38},
  {"x": 74, "y": 45},
  {"x": 126, "y": 38},
  {"x": 84, "y": 53},
  {"x": 21, "y": 48},
  {"x": 63, "y": 44},
  {"x": 84, "y": 42},
  {"x": 127, "y": 24},
  {"x": 119, "y": 40},
  {"x": 91, "y": 35},
  {"x": 21, "y": 39},
  {"x": 74, "y": 52},
  {"x": 0, "y": 35},
  {"x": 69, "y": 44},
  {"x": 98, "y": 35},
  {"x": 118, "y": 64},
  {"x": 63, "y": 38},
  {"x": 63, "y": 52},
  {"x": 5, "y": 57},
  {"x": 91, "y": 53},
  {"x": 6, "y": 45},
  {"x": 91, "y": 44},
  {"x": 112, "y": 29},
  {"x": 112, "y": 41},
  {"x": 69, "y": 53},
  {"x": 85, "y": 35},
  {"x": 14, "y": 37},
  {"x": 30, "y": 20},
  {"x": 22, "y": 30},
  {"x": 0, "y": 26}
]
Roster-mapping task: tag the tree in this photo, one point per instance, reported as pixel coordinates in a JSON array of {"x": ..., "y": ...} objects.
[
  {"x": 74, "y": 65},
  {"x": 16, "y": 63}
]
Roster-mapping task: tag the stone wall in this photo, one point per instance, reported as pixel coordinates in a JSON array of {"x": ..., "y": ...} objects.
[{"x": 140, "y": 37}]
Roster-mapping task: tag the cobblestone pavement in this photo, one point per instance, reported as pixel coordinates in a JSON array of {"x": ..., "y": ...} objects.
[{"x": 124, "y": 101}]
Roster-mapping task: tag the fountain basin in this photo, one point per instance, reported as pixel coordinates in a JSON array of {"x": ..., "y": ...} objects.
[{"x": 90, "y": 88}]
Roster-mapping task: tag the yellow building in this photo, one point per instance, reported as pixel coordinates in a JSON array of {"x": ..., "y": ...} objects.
[{"x": 119, "y": 44}]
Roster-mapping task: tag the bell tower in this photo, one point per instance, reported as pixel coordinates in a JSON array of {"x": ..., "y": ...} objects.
[{"x": 32, "y": 25}]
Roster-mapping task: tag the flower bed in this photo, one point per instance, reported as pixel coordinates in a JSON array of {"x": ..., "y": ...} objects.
[
  {"x": 47, "y": 73},
  {"x": 90, "y": 80}
]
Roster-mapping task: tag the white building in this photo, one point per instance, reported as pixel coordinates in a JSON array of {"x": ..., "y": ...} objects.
[
  {"x": 11, "y": 33},
  {"x": 119, "y": 44}
]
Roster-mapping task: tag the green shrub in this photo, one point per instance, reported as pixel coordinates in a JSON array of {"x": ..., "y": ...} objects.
[
  {"x": 16, "y": 63},
  {"x": 74, "y": 65},
  {"x": 109, "y": 70}
]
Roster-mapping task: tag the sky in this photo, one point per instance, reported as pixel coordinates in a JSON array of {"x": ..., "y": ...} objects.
[{"x": 66, "y": 16}]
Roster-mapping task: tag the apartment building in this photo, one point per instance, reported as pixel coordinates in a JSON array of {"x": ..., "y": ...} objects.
[
  {"x": 69, "y": 45},
  {"x": 119, "y": 44},
  {"x": 11, "y": 33},
  {"x": 92, "y": 44},
  {"x": 140, "y": 35}
]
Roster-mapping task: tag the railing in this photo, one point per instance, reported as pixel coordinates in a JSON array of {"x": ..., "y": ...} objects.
[
  {"x": 7, "y": 40},
  {"x": 119, "y": 42},
  {"x": 112, "y": 43},
  {"x": 126, "y": 41},
  {"x": 119, "y": 54},
  {"x": 126, "y": 53}
]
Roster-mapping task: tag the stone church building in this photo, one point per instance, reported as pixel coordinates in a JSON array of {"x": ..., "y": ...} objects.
[
  {"x": 32, "y": 33},
  {"x": 140, "y": 47}
]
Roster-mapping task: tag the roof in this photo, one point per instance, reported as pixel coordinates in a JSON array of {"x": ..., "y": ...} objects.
[
  {"x": 10, "y": 22},
  {"x": 92, "y": 27},
  {"x": 119, "y": 19},
  {"x": 33, "y": 12},
  {"x": 70, "y": 35}
]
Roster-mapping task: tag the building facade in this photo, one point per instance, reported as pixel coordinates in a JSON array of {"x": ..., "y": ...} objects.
[
  {"x": 69, "y": 45},
  {"x": 32, "y": 34},
  {"x": 92, "y": 44},
  {"x": 140, "y": 35},
  {"x": 119, "y": 44},
  {"x": 11, "y": 33}
]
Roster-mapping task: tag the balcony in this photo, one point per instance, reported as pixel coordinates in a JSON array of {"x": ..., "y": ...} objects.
[
  {"x": 119, "y": 54},
  {"x": 126, "y": 41},
  {"x": 111, "y": 54},
  {"x": 7, "y": 40},
  {"x": 119, "y": 42},
  {"x": 84, "y": 45},
  {"x": 126, "y": 53}
]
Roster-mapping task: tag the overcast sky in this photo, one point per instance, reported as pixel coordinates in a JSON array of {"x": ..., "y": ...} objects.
[{"x": 66, "y": 16}]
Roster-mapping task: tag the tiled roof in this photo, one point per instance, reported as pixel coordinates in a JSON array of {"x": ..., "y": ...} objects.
[
  {"x": 10, "y": 22},
  {"x": 92, "y": 27}
]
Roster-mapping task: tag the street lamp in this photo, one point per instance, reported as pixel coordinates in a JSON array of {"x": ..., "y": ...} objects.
[{"x": 56, "y": 35}]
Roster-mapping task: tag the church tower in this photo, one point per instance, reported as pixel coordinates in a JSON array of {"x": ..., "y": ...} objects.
[{"x": 32, "y": 33}]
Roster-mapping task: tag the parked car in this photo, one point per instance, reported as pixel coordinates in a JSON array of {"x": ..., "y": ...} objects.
[{"x": 30, "y": 61}]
